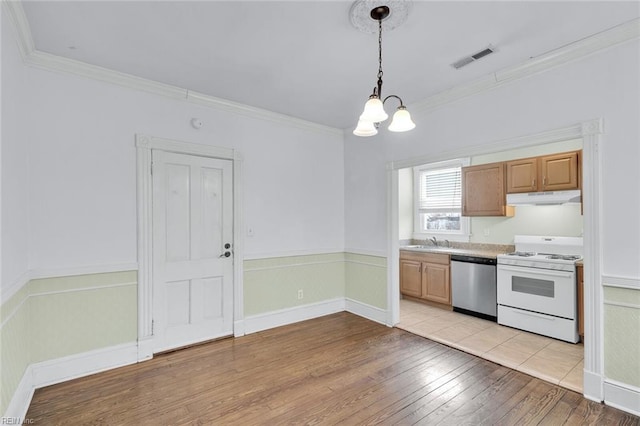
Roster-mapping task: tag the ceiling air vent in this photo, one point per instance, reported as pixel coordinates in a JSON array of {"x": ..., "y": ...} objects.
[{"x": 472, "y": 58}]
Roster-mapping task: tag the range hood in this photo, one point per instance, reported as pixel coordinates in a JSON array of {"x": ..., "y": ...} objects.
[{"x": 543, "y": 198}]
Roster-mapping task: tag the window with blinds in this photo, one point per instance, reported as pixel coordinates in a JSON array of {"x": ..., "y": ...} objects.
[
  {"x": 439, "y": 198},
  {"x": 440, "y": 190}
]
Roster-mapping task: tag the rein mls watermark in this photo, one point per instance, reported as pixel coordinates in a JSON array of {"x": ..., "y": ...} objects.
[{"x": 16, "y": 421}]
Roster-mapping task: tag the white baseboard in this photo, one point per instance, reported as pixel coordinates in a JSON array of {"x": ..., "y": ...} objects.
[
  {"x": 366, "y": 311},
  {"x": 238, "y": 328},
  {"x": 592, "y": 386},
  {"x": 59, "y": 370},
  {"x": 622, "y": 396},
  {"x": 282, "y": 317},
  {"x": 145, "y": 348},
  {"x": 83, "y": 364}
]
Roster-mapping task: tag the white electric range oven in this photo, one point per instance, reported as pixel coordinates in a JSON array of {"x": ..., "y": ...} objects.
[{"x": 537, "y": 286}]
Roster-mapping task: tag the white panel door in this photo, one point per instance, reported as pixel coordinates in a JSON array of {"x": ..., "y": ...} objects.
[{"x": 192, "y": 249}]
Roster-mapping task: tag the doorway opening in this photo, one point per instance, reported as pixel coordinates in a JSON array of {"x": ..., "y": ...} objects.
[{"x": 589, "y": 135}]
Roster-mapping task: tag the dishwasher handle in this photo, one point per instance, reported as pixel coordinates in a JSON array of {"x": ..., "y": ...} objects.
[{"x": 473, "y": 259}]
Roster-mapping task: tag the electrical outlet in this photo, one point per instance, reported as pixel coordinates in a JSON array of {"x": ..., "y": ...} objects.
[{"x": 300, "y": 295}]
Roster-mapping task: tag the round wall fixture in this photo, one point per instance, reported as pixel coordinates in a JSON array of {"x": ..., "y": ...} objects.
[
  {"x": 196, "y": 123},
  {"x": 361, "y": 18}
]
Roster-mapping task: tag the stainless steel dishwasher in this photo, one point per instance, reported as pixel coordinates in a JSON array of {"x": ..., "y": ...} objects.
[{"x": 473, "y": 286}]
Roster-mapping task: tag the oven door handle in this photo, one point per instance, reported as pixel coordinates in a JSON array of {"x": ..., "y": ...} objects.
[{"x": 536, "y": 271}]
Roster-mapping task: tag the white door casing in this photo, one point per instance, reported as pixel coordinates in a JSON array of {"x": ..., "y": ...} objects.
[{"x": 192, "y": 223}]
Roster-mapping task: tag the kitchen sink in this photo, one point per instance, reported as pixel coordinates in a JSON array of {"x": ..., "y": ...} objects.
[
  {"x": 433, "y": 248},
  {"x": 429, "y": 247}
]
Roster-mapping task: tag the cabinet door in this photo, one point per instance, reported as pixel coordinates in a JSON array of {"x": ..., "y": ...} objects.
[
  {"x": 559, "y": 172},
  {"x": 410, "y": 278},
  {"x": 435, "y": 283},
  {"x": 522, "y": 175},
  {"x": 483, "y": 190}
]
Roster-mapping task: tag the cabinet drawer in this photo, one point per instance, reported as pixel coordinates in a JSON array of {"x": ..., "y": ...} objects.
[{"x": 441, "y": 258}]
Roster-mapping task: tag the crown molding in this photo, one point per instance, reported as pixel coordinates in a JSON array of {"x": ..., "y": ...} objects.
[
  {"x": 16, "y": 14},
  {"x": 579, "y": 130},
  {"x": 579, "y": 49},
  {"x": 622, "y": 33},
  {"x": 35, "y": 58},
  {"x": 51, "y": 62},
  {"x": 238, "y": 108}
]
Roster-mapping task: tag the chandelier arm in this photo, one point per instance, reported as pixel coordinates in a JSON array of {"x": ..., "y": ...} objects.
[{"x": 394, "y": 96}]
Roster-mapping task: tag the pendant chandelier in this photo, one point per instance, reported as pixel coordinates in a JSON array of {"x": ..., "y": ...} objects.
[{"x": 374, "y": 112}]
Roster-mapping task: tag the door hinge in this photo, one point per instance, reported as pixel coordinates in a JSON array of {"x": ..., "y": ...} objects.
[
  {"x": 152, "y": 324},
  {"x": 152, "y": 168}
]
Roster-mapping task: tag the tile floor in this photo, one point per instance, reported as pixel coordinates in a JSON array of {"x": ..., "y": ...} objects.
[{"x": 542, "y": 357}]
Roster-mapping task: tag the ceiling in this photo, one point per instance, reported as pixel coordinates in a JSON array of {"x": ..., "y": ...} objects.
[{"x": 304, "y": 58}]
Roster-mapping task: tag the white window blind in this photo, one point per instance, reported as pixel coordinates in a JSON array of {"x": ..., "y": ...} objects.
[{"x": 440, "y": 190}]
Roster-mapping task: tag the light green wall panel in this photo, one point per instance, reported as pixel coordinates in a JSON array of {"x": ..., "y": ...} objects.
[
  {"x": 14, "y": 348},
  {"x": 55, "y": 317},
  {"x": 622, "y": 335},
  {"x": 272, "y": 284},
  {"x": 81, "y": 313},
  {"x": 366, "y": 278},
  {"x": 73, "y": 322},
  {"x": 7, "y": 309}
]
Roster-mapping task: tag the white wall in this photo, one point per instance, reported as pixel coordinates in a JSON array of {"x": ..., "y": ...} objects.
[
  {"x": 366, "y": 194},
  {"x": 405, "y": 203},
  {"x": 82, "y": 189},
  {"x": 602, "y": 85},
  {"x": 14, "y": 165}
]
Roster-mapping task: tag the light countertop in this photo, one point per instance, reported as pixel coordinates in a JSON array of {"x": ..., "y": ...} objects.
[{"x": 485, "y": 250}]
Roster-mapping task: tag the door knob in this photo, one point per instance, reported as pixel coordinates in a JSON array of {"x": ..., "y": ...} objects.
[{"x": 226, "y": 254}]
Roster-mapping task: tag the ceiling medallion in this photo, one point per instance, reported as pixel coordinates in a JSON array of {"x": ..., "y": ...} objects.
[{"x": 360, "y": 14}]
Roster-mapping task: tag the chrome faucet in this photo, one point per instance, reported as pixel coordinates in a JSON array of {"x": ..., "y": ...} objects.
[{"x": 434, "y": 241}]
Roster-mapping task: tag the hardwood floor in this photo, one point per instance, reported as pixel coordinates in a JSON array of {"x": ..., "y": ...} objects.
[{"x": 338, "y": 369}]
